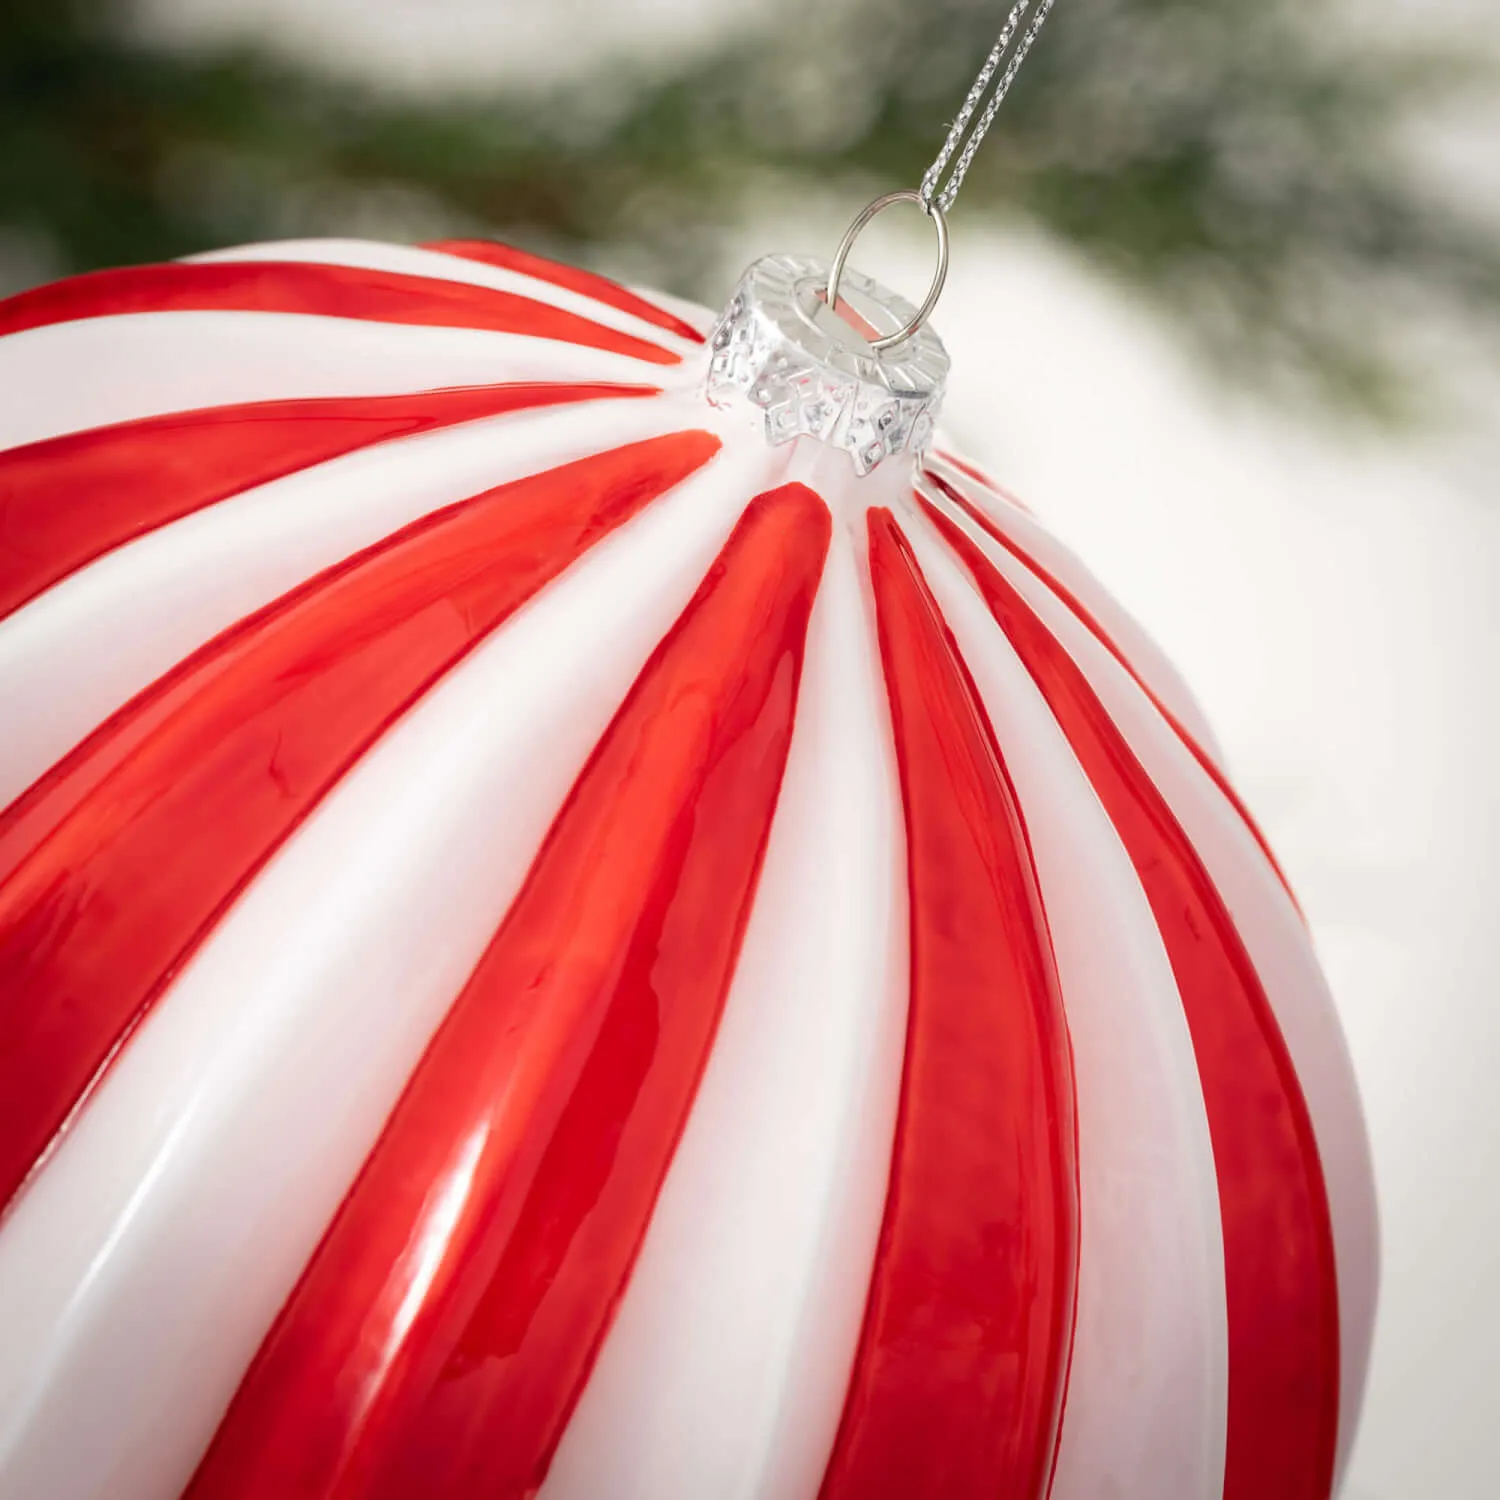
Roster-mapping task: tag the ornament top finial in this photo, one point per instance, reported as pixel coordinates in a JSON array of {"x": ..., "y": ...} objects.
[{"x": 807, "y": 371}]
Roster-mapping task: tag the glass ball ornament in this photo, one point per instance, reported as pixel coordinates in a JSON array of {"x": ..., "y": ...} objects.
[{"x": 587, "y": 910}]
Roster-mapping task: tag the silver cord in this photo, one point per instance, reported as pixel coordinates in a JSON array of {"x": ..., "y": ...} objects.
[
  {"x": 933, "y": 202},
  {"x": 944, "y": 198}
]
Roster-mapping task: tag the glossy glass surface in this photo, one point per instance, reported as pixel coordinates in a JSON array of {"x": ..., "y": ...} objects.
[
  {"x": 958, "y": 1378},
  {"x": 1278, "y": 1248},
  {"x": 327, "y": 291},
  {"x": 68, "y": 499},
  {"x": 1078, "y": 607},
  {"x": 440, "y": 1336},
  {"x": 572, "y": 278},
  {"x": 974, "y": 472},
  {"x": 115, "y": 865}
]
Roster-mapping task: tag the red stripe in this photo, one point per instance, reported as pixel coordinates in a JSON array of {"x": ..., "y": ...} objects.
[
  {"x": 67, "y": 500},
  {"x": 1278, "y": 1241},
  {"x": 974, "y": 472},
  {"x": 1087, "y": 618},
  {"x": 439, "y": 1338},
  {"x": 123, "y": 856},
  {"x": 588, "y": 283},
  {"x": 325, "y": 291},
  {"x": 959, "y": 1374}
]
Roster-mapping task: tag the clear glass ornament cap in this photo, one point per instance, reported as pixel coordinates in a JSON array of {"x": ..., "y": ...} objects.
[{"x": 793, "y": 364}]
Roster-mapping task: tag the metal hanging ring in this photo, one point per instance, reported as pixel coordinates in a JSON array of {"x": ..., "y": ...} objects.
[{"x": 836, "y": 272}]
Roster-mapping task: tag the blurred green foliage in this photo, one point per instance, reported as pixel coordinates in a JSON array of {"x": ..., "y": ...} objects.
[{"x": 1246, "y": 165}]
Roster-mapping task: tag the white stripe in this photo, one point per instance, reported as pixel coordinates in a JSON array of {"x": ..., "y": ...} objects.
[
  {"x": 694, "y": 314},
  {"x": 88, "y": 372},
  {"x": 1147, "y": 1400},
  {"x": 408, "y": 260},
  {"x": 724, "y": 1373},
  {"x": 1156, "y": 668},
  {"x": 75, "y": 653},
  {"x": 140, "y": 1270},
  {"x": 1277, "y": 942},
  {"x": 945, "y": 459}
]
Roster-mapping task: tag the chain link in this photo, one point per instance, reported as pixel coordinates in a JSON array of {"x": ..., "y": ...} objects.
[{"x": 931, "y": 176}]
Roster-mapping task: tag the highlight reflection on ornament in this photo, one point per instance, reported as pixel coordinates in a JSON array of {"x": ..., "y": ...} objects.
[{"x": 552, "y": 944}]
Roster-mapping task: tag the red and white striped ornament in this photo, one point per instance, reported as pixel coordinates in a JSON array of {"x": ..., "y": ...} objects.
[{"x": 549, "y": 944}]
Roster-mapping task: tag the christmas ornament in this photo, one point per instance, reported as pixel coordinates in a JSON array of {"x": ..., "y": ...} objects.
[{"x": 584, "y": 911}]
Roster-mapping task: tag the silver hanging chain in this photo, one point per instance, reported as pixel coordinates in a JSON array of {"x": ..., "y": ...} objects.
[
  {"x": 934, "y": 203},
  {"x": 929, "y": 188}
]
